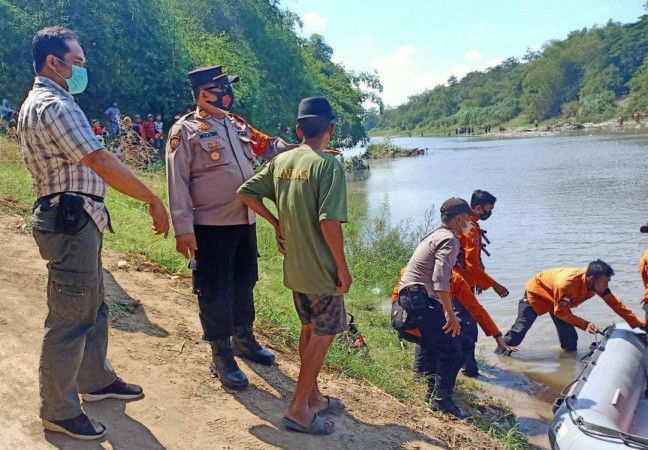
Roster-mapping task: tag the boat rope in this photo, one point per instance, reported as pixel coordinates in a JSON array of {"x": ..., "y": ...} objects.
[
  {"x": 592, "y": 429},
  {"x": 604, "y": 433}
]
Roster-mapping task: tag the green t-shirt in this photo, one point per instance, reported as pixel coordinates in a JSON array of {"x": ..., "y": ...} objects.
[{"x": 307, "y": 186}]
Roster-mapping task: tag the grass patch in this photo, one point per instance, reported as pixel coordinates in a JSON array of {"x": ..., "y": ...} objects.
[{"x": 376, "y": 253}]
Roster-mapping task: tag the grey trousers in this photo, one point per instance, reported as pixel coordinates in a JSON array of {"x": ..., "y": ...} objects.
[{"x": 73, "y": 356}]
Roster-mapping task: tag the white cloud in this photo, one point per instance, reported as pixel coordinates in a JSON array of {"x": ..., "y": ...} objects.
[
  {"x": 314, "y": 20},
  {"x": 401, "y": 74},
  {"x": 473, "y": 55}
]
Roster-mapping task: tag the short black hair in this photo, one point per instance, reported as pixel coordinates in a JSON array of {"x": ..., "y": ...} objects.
[
  {"x": 314, "y": 127},
  {"x": 51, "y": 41},
  {"x": 597, "y": 268},
  {"x": 481, "y": 198}
]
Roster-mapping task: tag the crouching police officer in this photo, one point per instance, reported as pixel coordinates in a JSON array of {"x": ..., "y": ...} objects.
[
  {"x": 424, "y": 295},
  {"x": 210, "y": 153}
]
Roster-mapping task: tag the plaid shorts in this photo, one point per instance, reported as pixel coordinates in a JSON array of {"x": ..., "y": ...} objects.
[{"x": 326, "y": 312}]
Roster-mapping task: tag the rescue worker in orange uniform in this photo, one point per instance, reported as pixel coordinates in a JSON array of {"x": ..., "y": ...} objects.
[
  {"x": 462, "y": 297},
  {"x": 557, "y": 291},
  {"x": 643, "y": 269},
  {"x": 471, "y": 268}
]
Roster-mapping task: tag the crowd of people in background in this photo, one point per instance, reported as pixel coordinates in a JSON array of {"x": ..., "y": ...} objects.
[
  {"x": 8, "y": 115},
  {"x": 140, "y": 141}
]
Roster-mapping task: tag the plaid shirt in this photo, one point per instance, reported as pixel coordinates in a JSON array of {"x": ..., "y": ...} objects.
[{"x": 55, "y": 135}]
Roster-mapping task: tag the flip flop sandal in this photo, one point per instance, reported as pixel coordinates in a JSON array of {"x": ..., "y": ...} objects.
[
  {"x": 334, "y": 404},
  {"x": 318, "y": 426}
]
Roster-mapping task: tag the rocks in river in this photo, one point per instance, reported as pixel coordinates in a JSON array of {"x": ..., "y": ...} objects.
[
  {"x": 387, "y": 149},
  {"x": 565, "y": 126}
]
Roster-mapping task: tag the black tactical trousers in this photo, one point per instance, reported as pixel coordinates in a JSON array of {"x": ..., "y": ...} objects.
[
  {"x": 444, "y": 351},
  {"x": 224, "y": 274},
  {"x": 426, "y": 363},
  {"x": 526, "y": 316},
  {"x": 468, "y": 338}
]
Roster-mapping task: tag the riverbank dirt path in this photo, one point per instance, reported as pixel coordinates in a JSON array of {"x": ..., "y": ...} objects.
[{"x": 158, "y": 345}]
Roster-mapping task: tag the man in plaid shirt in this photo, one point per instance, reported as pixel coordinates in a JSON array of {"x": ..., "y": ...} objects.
[{"x": 71, "y": 171}]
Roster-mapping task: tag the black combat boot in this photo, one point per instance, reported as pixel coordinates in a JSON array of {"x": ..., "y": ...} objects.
[
  {"x": 431, "y": 384},
  {"x": 246, "y": 346},
  {"x": 443, "y": 402},
  {"x": 224, "y": 365}
]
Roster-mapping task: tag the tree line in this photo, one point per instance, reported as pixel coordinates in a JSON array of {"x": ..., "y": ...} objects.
[
  {"x": 139, "y": 51},
  {"x": 594, "y": 74}
]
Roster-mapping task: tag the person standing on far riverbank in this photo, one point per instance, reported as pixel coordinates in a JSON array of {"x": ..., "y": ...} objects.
[
  {"x": 308, "y": 187},
  {"x": 210, "y": 154},
  {"x": 557, "y": 291},
  {"x": 71, "y": 169}
]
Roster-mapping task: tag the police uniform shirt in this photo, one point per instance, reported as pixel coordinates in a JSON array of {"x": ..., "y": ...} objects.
[
  {"x": 432, "y": 262},
  {"x": 207, "y": 160}
]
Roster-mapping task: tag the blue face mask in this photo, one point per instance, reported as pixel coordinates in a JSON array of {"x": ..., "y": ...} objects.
[{"x": 78, "y": 82}]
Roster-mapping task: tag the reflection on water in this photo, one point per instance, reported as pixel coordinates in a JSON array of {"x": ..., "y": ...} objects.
[{"x": 562, "y": 201}]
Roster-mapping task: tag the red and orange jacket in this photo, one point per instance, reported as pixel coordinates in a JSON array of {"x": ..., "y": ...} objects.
[
  {"x": 460, "y": 291},
  {"x": 559, "y": 290},
  {"x": 259, "y": 141},
  {"x": 643, "y": 268},
  {"x": 470, "y": 266}
]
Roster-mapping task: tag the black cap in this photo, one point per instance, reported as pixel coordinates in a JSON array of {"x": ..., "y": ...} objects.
[
  {"x": 212, "y": 74},
  {"x": 315, "y": 107},
  {"x": 455, "y": 206},
  {"x": 644, "y": 228}
]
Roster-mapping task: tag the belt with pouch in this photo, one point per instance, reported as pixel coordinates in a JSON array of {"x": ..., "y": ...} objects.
[
  {"x": 70, "y": 209},
  {"x": 417, "y": 301}
]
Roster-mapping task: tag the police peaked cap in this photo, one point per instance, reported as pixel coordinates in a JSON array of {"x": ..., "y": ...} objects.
[
  {"x": 455, "y": 206},
  {"x": 212, "y": 74}
]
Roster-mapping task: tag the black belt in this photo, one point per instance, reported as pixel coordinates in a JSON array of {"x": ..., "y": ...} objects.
[
  {"x": 48, "y": 197},
  {"x": 416, "y": 288},
  {"x": 45, "y": 201}
]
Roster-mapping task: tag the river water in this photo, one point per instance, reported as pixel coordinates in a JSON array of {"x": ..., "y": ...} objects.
[{"x": 562, "y": 201}]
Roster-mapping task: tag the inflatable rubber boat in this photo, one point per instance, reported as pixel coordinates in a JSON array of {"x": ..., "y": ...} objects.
[{"x": 606, "y": 407}]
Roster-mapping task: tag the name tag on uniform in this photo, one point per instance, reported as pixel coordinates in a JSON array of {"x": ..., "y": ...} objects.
[{"x": 208, "y": 134}]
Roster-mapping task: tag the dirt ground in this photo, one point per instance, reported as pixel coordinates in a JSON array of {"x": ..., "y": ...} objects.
[{"x": 159, "y": 347}]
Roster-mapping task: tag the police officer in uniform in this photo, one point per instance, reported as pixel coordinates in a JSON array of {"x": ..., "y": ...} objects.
[
  {"x": 424, "y": 294},
  {"x": 210, "y": 153}
]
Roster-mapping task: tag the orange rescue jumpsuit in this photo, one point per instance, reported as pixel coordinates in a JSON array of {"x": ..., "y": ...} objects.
[
  {"x": 557, "y": 291},
  {"x": 471, "y": 267}
]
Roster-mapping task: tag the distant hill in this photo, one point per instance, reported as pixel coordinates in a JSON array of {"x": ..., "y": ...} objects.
[{"x": 594, "y": 74}]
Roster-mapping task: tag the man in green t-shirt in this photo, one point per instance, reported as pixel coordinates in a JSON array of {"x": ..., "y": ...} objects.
[{"x": 309, "y": 189}]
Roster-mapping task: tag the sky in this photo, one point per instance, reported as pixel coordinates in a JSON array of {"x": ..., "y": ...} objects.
[{"x": 415, "y": 45}]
